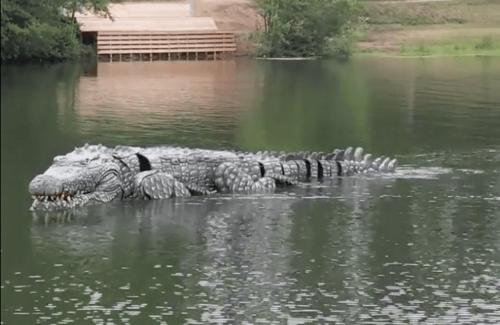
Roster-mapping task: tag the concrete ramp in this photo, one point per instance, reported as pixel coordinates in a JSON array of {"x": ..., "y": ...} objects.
[
  {"x": 146, "y": 16},
  {"x": 145, "y": 10},
  {"x": 150, "y": 9},
  {"x": 138, "y": 24}
]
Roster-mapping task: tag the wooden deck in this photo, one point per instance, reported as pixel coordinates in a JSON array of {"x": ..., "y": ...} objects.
[
  {"x": 156, "y": 31},
  {"x": 152, "y": 46}
]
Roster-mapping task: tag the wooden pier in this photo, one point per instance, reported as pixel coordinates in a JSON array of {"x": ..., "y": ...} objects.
[
  {"x": 153, "y": 46},
  {"x": 155, "y": 31}
]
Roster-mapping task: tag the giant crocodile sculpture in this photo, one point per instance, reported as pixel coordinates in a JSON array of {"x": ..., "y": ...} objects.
[{"x": 95, "y": 173}]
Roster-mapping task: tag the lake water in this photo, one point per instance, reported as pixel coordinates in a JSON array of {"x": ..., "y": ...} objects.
[{"x": 420, "y": 246}]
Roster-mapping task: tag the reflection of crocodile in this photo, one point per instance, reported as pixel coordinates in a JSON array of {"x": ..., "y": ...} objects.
[
  {"x": 222, "y": 250},
  {"x": 95, "y": 173}
]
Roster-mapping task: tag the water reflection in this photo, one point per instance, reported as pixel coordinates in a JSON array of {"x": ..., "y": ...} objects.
[
  {"x": 419, "y": 246},
  {"x": 168, "y": 99},
  {"x": 237, "y": 253},
  {"x": 323, "y": 252},
  {"x": 385, "y": 105}
]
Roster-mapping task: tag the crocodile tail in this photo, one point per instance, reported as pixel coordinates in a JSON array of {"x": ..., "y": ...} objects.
[
  {"x": 319, "y": 165},
  {"x": 354, "y": 161}
]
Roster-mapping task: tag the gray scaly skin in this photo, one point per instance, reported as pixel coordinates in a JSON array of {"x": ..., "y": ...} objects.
[{"x": 95, "y": 173}]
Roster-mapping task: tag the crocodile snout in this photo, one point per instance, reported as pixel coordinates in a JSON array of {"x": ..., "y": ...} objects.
[{"x": 45, "y": 185}]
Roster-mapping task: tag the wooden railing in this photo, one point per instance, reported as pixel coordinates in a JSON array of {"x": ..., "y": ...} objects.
[{"x": 130, "y": 43}]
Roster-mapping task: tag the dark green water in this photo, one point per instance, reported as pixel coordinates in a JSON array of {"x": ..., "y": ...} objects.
[{"x": 421, "y": 246}]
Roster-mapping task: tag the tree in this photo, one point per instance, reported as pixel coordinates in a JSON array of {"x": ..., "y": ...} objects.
[
  {"x": 42, "y": 29},
  {"x": 306, "y": 27},
  {"x": 95, "y": 6}
]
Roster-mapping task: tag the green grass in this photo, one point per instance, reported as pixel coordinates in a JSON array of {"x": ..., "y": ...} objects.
[
  {"x": 444, "y": 21},
  {"x": 486, "y": 46}
]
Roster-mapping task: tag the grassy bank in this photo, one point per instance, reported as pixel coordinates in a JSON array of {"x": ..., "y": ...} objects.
[
  {"x": 394, "y": 27},
  {"x": 431, "y": 28},
  {"x": 485, "y": 46}
]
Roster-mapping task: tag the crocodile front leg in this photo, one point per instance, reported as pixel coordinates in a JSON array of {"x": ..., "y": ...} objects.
[
  {"x": 154, "y": 184},
  {"x": 247, "y": 177}
]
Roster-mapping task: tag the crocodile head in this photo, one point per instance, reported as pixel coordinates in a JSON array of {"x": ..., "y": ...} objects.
[{"x": 84, "y": 176}]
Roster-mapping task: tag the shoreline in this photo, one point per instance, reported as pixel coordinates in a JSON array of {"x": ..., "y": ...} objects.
[
  {"x": 431, "y": 28},
  {"x": 393, "y": 29},
  {"x": 430, "y": 56},
  {"x": 403, "y": 28},
  {"x": 285, "y": 58},
  {"x": 444, "y": 47}
]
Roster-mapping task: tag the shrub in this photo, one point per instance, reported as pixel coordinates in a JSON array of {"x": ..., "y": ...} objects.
[
  {"x": 296, "y": 28},
  {"x": 486, "y": 43}
]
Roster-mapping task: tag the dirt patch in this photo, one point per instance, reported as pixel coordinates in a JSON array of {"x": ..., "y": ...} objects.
[
  {"x": 235, "y": 15},
  {"x": 432, "y": 12},
  {"x": 238, "y": 16}
]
